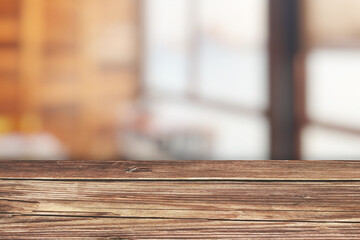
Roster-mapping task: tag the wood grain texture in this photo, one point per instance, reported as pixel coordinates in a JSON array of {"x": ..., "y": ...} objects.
[
  {"x": 35, "y": 227},
  {"x": 182, "y": 170},
  {"x": 260, "y": 201},
  {"x": 179, "y": 200}
]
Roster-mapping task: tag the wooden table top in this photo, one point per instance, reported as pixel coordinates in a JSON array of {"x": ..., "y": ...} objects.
[{"x": 179, "y": 200}]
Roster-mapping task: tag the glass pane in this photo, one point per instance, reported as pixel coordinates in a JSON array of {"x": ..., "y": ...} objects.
[
  {"x": 322, "y": 144},
  {"x": 333, "y": 83},
  {"x": 217, "y": 50},
  {"x": 332, "y": 78},
  {"x": 167, "y": 35},
  {"x": 233, "y": 58}
]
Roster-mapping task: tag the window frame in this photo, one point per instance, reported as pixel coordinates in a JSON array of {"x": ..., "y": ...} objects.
[{"x": 287, "y": 50}]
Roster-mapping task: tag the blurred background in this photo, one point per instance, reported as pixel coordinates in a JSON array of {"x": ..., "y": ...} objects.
[{"x": 180, "y": 79}]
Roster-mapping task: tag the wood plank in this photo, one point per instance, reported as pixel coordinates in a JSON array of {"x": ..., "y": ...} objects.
[
  {"x": 189, "y": 170},
  {"x": 36, "y": 227},
  {"x": 224, "y": 200}
]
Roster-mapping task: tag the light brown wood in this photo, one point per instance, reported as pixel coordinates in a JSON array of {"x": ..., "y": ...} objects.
[
  {"x": 179, "y": 200},
  {"x": 235, "y": 200},
  {"x": 35, "y": 227},
  {"x": 185, "y": 170}
]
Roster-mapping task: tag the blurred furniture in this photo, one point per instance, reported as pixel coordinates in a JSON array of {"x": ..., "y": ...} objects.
[
  {"x": 41, "y": 146},
  {"x": 70, "y": 65},
  {"x": 149, "y": 135},
  {"x": 176, "y": 144}
]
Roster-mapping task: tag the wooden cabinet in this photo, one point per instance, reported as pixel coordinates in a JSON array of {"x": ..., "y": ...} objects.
[{"x": 71, "y": 64}]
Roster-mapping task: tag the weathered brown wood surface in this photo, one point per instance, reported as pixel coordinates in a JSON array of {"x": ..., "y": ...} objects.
[
  {"x": 189, "y": 170},
  {"x": 180, "y": 200}
]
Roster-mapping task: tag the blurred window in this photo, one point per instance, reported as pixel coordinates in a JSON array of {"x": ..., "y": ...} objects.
[
  {"x": 206, "y": 66},
  {"x": 332, "y": 72},
  {"x": 232, "y": 56},
  {"x": 167, "y": 45}
]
